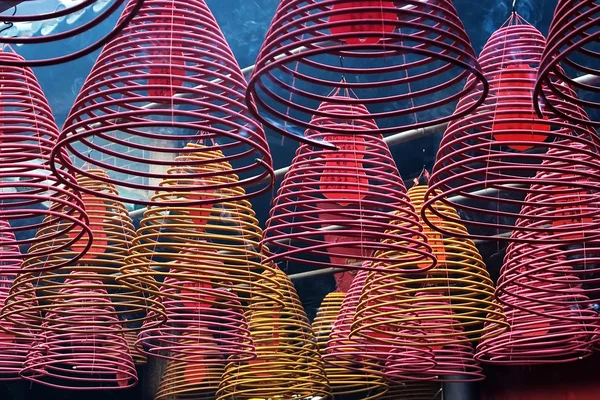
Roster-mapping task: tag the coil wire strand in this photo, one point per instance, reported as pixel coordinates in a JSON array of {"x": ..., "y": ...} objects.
[
  {"x": 173, "y": 54},
  {"x": 13, "y": 347},
  {"x": 415, "y": 391},
  {"x": 68, "y": 358},
  {"x": 572, "y": 49},
  {"x": 488, "y": 160},
  {"x": 415, "y": 49},
  {"x": 288, "y": 363},
  {"x": 113, "y": 233},
  {"x": 343, "y": 381},
  {"x": 74, "y": 29},
  {"x": 185, "y": 380},
  {"x": 334, "y": 200},
  {"x": 374, "y": 353},
  {"x": 31, "y": 196}
]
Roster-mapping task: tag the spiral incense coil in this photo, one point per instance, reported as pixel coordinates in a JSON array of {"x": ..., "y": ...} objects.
[
  {"x": 146, "y": 97},
  {"x": 367, "y": 355},
  {"x": 414, "y": 390},
  {"x": 335, "y": 207},
  {"x": 113, "y": 233},
  {"x": 573, "y": 45},
  {"x": 288, "y": 363},
  {"x": 415, "y": 49},
  {"x": 54, "y": 18},
  {"x": 190, "y": 380},
  {"x": 488, "y": 160},
  {"x": 68, "y": 358},
  {"x": 219, "y": 325},
  {"x": 213, "y": 248},
  {"x": 31, "y": 197},
  {"x": 343, "y": 381},
  {"x": 138, "y": 357}
]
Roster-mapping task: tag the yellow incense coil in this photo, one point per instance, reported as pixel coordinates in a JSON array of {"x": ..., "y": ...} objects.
[
  {"x": 414, "y": 390},
  {"x": 343, "y": 379},
  {"x": 138, "y": 358},
  {"x": 212, "y": 248},
  {"x": 126, "y": 308},
  {"x": 288, "y": 365},
  {"x": 400, "y": 305},
  {"x": 189, "y": 380}
]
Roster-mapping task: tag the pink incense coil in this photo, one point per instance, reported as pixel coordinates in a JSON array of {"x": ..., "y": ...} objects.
[
  {"x": 454, "y": 360},
  {"x": 88, "y": 28},
  {"x": 77, "y": 360},
  {"x": 339, "y": 205},
  {"x": 214, "y": 317},
  {"x": 573, "y": 45},
  {"x": 31, "y": 196},
  {"x": 413, "y": 49},
  {"x": 488, "y": 160},
  {"x": 146, "y": 97},
  {"x": 387, "y": 357}
]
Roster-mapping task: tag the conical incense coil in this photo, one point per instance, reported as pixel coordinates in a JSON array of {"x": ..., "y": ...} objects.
[
  {"x": 53, "y": 19},
  {"x": 375, "y": 351},
  {"x": 218, "y": 323},
  {"x": 14, "y": 347},
  {"x": 343, "y": 381},
  {"x": 195, "y": 95},
  {"x": 412, "y": 48},
  {"x": 334, "y": 208},
  {"x": 288, "y": 364},
  {"x": 414, "y": 390},
  {"x": 190, "y": 380},
  {"x": 67, "y": 358},
  {"x": 573, "y": 45},
  {"x": 189, "y": 243},
  {"x": 138, "y": 357},
  {"x": 31, "y": 197},
  {"x": 488, "y": 160},
  {"x": 459, "y": 286},
  {"x": 113, "y": 232}
]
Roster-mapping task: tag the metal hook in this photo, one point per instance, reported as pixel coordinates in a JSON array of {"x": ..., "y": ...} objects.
[
  {"x": 514, "y": 6},
  {"x": 9, "y": 24}
]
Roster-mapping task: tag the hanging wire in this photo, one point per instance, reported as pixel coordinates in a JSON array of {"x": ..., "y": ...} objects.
[
  {"x": 9, "y": 24},
  {"x": 514, "y": 6}
]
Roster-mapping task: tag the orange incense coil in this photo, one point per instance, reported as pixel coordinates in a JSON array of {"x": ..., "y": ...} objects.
[
  {"x": 335, "y": 208},
  {"x": 184, "y": 380},
  {"x": 343, "y": 381},
  {"x": 113, "y": 232},
  {"x": 66, "y": 357},
  {"x": 288, "y": 363},
  {"x": 487, "y": 161},
  {"x": 416, "y": 390},
  {"x": 137, "y": 356}
]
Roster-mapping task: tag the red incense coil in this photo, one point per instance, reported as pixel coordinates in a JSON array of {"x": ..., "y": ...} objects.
[
  {"x": 352, "y": 198},
  {"x": 343, "y": 381},
  {"x": 145, "y": 98},
  {"x": 378, "y": 354},
  {"x": 67, "y": 358},
  {"x": 414, "y": 49},
  {"x": 185, "y": 380},
  {"x": 488, "y": 160},
  {"x": 414, "y": 390},
  {"x": 288, "y": 363},
  {"x": 571, "y": 51},
  {"x": 113, "y": 232},
  {"x": 88, "y": 28},
  {"x": 31, "y": 196}
]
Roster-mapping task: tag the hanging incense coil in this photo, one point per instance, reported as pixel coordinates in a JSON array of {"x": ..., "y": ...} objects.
[
  {"x": 138, "y": 357},
  {"x": 68, "y": 358},
  {"x": 31, "y": 196},
  {"x": 113, "y": 233},
  {"x": 571, "y": 50},
  {"x": 414, "y": 391},
  {"x": 375, "y": 353},
  {"x": 343, "y": 381},
  {"x": 169, "y": 78},
  {"x": 488, "y": 160},
  {"x": 412, "y": 48},
  {"x": 288, "y": 363},
  {"x": 336, "y": 207},
  {"x": 184, "y": 380},
  {"x": 55, "y": 18}
]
